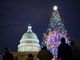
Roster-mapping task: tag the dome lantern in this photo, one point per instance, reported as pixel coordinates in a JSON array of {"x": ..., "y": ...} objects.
[{"x": 29, "y": 28}]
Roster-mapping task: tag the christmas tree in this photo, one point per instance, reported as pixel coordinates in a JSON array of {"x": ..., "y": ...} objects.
[{"x": 56, "y": 31}]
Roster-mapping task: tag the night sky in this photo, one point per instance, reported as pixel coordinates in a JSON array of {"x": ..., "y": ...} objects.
[{"x": 15, "y": 15}]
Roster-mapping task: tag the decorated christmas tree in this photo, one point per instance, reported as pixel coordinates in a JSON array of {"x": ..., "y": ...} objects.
[{"x": 56, "y": 31}]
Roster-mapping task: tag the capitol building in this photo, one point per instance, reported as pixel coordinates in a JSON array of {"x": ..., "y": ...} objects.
[{"x": 29, "y": 42}]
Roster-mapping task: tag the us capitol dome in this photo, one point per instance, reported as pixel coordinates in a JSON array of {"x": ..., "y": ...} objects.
[{"x": 29, "y": 42}]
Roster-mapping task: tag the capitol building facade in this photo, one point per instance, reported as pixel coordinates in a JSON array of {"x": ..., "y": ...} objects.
[{"x": 29, "y": 42}]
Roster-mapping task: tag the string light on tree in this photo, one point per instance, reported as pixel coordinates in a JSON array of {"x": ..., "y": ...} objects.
[{"x": 55, "y": 32}]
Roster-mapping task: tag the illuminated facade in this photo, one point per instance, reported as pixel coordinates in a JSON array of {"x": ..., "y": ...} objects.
[{"x": 29, "y": 42}]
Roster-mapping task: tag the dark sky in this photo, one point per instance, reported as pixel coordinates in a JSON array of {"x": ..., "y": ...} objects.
[{"x": 15, "y": 15}]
